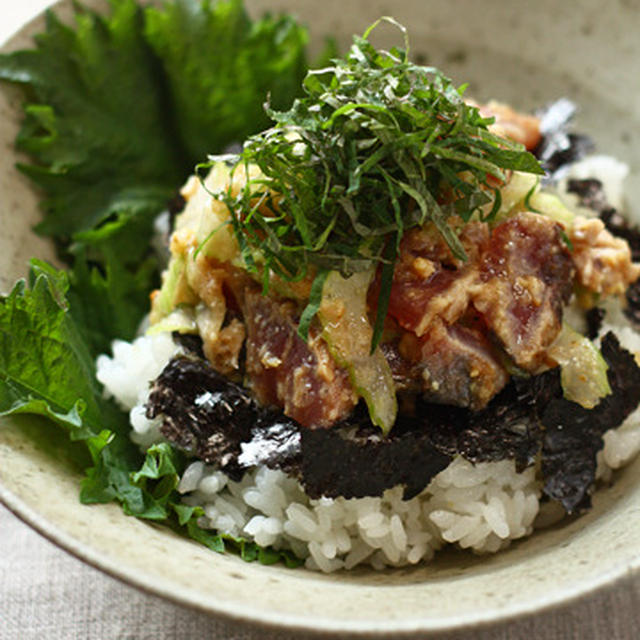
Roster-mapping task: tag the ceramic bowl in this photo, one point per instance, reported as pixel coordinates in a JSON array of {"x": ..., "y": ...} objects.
[{"x": 522, "y": 53}]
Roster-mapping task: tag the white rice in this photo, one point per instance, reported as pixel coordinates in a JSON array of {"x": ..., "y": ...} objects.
[
  {"x": 126, "y": 377},
  {"x": 481, "y": 507},
  {"x": 610, "y": 171}
]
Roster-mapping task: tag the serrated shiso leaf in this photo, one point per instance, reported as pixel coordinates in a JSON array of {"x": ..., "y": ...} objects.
[
  {"x": 45, "y": 365},
  {"x": 221, "y": 66},
  {"x": 96, "y": 120},
  {"x": 46, "y": 368}
]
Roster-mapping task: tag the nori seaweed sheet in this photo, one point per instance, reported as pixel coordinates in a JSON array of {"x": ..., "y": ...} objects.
[
  {"x": 202, "y": 412},
  {"x": 217, "y": 421},
  {"x": 190, "y": 342},
  {"x": 591, "y": 195},
  {"x": 334, "y": 465},
  {"x": 594, "y": 318},
  {"x": 573, "y": 435}
]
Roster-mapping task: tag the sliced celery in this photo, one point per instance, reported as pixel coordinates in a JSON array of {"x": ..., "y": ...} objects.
[{"x": 348, "y": 333}]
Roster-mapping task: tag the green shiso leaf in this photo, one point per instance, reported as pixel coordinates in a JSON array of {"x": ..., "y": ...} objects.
[
  {"x": 112, "y": 129},
  {"x": 45, "y": 365},
  {"x": 115, "y": 461},
  {"x": 220, "y": 66},
  {"x": 96, "y": 120},
  {"x": 160, "y": 462},
  {"x": 111, "y": 281},
  {"x": 46, "y": 369}
]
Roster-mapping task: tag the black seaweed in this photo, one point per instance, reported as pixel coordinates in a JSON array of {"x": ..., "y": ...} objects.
[
  {"x": 275, "y": 443},
  {"x": 420, "y": 446},
  {"x": 217, "y": 421},
  {"x": 202, "y": 412},
  {"x": 333, "y": 464},
  {"x": 558, "y": 147},
  {"x": 573, "y": 435},
  {"x": 594, "y": 318},
  {"x": 591, "y": 194},
  {"x": 507, "y": 429}
]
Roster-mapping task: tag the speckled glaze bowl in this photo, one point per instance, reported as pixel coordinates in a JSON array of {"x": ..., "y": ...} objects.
[{"x": 523, "y": 53}]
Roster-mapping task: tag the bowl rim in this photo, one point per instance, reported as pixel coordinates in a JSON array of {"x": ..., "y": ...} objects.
[{"x": 417, "y": 627}]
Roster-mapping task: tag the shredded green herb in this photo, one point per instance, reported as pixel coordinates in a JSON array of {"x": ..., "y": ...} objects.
[{"x": 366, "y": 155}]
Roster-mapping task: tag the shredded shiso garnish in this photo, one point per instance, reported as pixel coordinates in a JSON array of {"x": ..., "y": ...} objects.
[{"x": 364, "y": 156}]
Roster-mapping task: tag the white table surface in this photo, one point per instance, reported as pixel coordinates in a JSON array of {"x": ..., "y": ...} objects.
[{"x": 46, "y": 594}]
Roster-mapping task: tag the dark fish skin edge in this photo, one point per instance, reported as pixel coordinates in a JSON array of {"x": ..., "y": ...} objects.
[{"x": 211, "y": 418}]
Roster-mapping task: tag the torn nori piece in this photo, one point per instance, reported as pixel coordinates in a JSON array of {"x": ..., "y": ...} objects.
[
  {"x": 236, "y": 434},
  {"x": 558, "y": 147},
  {"x": 594, "y": 318},
  {"x": 419, "y": 447},
  {"x": 218, "y": 422},
  {"x": 275, "y": 443},
  {"x": 508, "y": 428},
  {"x": 202, "y": 412},
  {"x": 590, "y": 193},
  {"x": 364, "y": 464},
  {"x": 573, "y": 435},
  {"x": 556, "y": 116}
]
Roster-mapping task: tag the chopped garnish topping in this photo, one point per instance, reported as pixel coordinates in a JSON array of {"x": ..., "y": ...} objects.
[{"x": 378, "y": 145}]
